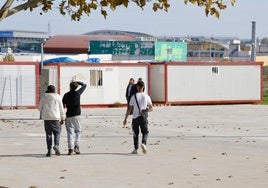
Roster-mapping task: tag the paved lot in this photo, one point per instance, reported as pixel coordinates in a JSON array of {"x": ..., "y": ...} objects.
[{"x": 189, "y": 146}]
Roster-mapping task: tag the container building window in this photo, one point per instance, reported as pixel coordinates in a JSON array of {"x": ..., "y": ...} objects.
[{"x": 96, "y": 77}]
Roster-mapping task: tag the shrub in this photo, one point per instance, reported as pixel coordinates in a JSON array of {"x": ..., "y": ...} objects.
[{"x": 8, "y": 58}]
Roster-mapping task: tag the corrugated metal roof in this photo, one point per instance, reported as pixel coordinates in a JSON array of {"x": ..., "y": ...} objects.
[{"x": 75, "y": 44}]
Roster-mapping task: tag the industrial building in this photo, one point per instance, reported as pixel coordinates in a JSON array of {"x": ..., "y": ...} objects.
[
  {"x": 199, "y": 48},
  {"x": 22, "y": 41}
]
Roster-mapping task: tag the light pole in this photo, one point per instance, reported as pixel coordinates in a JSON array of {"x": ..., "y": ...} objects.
[
  {"x": 42, "y": 53},
  {"x": 253, "y": 42},
  {"x": 210, "y": 59}
]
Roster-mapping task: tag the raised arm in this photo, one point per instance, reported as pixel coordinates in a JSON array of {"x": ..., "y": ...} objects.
[{"x": 83, "y": 87}]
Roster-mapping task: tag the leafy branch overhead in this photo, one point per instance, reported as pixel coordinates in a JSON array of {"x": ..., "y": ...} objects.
[{"x": 77, "y": 8}]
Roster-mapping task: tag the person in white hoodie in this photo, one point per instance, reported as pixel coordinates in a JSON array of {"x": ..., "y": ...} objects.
[{"x": 52, "y": 112}]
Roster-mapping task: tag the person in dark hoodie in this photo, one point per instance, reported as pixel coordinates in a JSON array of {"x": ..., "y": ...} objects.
[
  {"x": 52, "y": 112},
  {"x": 71, "y": 100}
]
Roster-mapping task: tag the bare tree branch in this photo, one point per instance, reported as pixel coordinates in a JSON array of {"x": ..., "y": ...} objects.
[
  {"x": 6, "y": 11},
  {"x": 5, "y": 8}
]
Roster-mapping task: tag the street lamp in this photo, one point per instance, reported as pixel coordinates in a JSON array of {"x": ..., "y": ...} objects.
[
  {"x": 210, "y": 59},
  {"x": 253, "y": 42},
  {"x": 42, "y": 52}
]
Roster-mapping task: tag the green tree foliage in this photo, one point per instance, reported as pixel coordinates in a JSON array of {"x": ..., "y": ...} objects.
[
  {"x": 8, "y": 58},
  {"x": 77, "y": 8}
]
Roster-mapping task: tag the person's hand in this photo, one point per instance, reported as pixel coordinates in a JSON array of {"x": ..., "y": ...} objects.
[{"x": 61, "y": 122}]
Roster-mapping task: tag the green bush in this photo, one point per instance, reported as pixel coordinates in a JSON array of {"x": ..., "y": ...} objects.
[{"x": 265, "y": 98}]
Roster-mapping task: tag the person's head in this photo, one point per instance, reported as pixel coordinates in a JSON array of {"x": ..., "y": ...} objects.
[
  {"x": 73, "y": 86},
  {"x": 140, "y": 79},
  {"x": 50, "y": 89},
  {"x": 131, "y": 81},
  {"x": 140, "y": 86}
]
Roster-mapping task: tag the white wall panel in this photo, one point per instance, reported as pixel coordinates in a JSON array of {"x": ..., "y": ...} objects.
[
  {"x": 18, "y": 85},
  {"x": 199, "y": 83},
  {"x": 158, "y": 82}
]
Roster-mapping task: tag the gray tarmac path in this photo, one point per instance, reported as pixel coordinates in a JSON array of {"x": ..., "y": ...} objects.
[{"x": 189, "y": 147}]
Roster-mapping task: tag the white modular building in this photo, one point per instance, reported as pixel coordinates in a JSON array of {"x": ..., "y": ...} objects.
[
  {"x": 171, "y": 83},
  {"x": 106, "y": 82},
  {"x": 206, "y": 83}
]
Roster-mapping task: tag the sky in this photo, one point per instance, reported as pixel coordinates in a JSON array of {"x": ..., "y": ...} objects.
[{"x": 180, "y": 20}]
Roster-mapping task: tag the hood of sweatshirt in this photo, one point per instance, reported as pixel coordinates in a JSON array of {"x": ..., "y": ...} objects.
[{"x": 51, "y": 96}]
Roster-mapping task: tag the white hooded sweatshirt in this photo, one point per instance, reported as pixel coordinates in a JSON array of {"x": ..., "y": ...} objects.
[{"x": 51, "y": 107}]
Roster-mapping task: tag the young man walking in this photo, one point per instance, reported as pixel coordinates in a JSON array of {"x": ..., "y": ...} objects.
[
  {"x": 140, "y": 103},
  {"x": 71, "y": 100},
  {"x": 51, "y": 111}
]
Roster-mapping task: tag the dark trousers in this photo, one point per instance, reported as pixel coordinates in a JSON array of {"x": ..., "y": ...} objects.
[
  {"x": 137, "y": 125},
  {"x": 52, "y": 127},
  {"x": 128, "y": 99}
]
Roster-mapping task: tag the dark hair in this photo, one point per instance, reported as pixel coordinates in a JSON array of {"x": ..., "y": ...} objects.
[
  {"x": 73, "y": 86},
  {"x": 140, "y": 83},
  {"x": 50, "y": 89}
]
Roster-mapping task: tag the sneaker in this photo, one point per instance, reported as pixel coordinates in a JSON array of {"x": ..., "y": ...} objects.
[
  {"x": 144, "y": 148},
  {"x": 134, "y": 151},
  {"x": 76, "y": 150},
  {"x": 70, "y": 152},
  {"x": 48, "y": 153},
  {"x": 57, "y": 151}
]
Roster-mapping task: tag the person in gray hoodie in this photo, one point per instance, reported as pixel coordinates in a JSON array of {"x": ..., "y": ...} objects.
[{"x": 52, "y": 112}]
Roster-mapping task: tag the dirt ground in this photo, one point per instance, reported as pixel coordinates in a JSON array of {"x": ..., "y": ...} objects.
[{"x": 188, "y": 147}]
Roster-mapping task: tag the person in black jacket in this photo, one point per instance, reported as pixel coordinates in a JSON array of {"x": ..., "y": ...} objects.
[
  {"x": 134, "y": 89},
  {"x": 71, "y": 100},
  {"x": 129, "y": 88}
]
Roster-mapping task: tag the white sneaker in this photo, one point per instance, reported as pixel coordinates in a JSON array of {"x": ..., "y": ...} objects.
[
  {"x": 144, "y": 149},
  {"x": 134, "y": 151}
]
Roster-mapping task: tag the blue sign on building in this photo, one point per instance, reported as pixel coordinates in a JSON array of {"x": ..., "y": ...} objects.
[{"x": 6, "y": 34}]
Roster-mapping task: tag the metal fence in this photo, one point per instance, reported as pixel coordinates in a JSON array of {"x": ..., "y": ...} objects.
[{"x": 18, "y": 91}]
